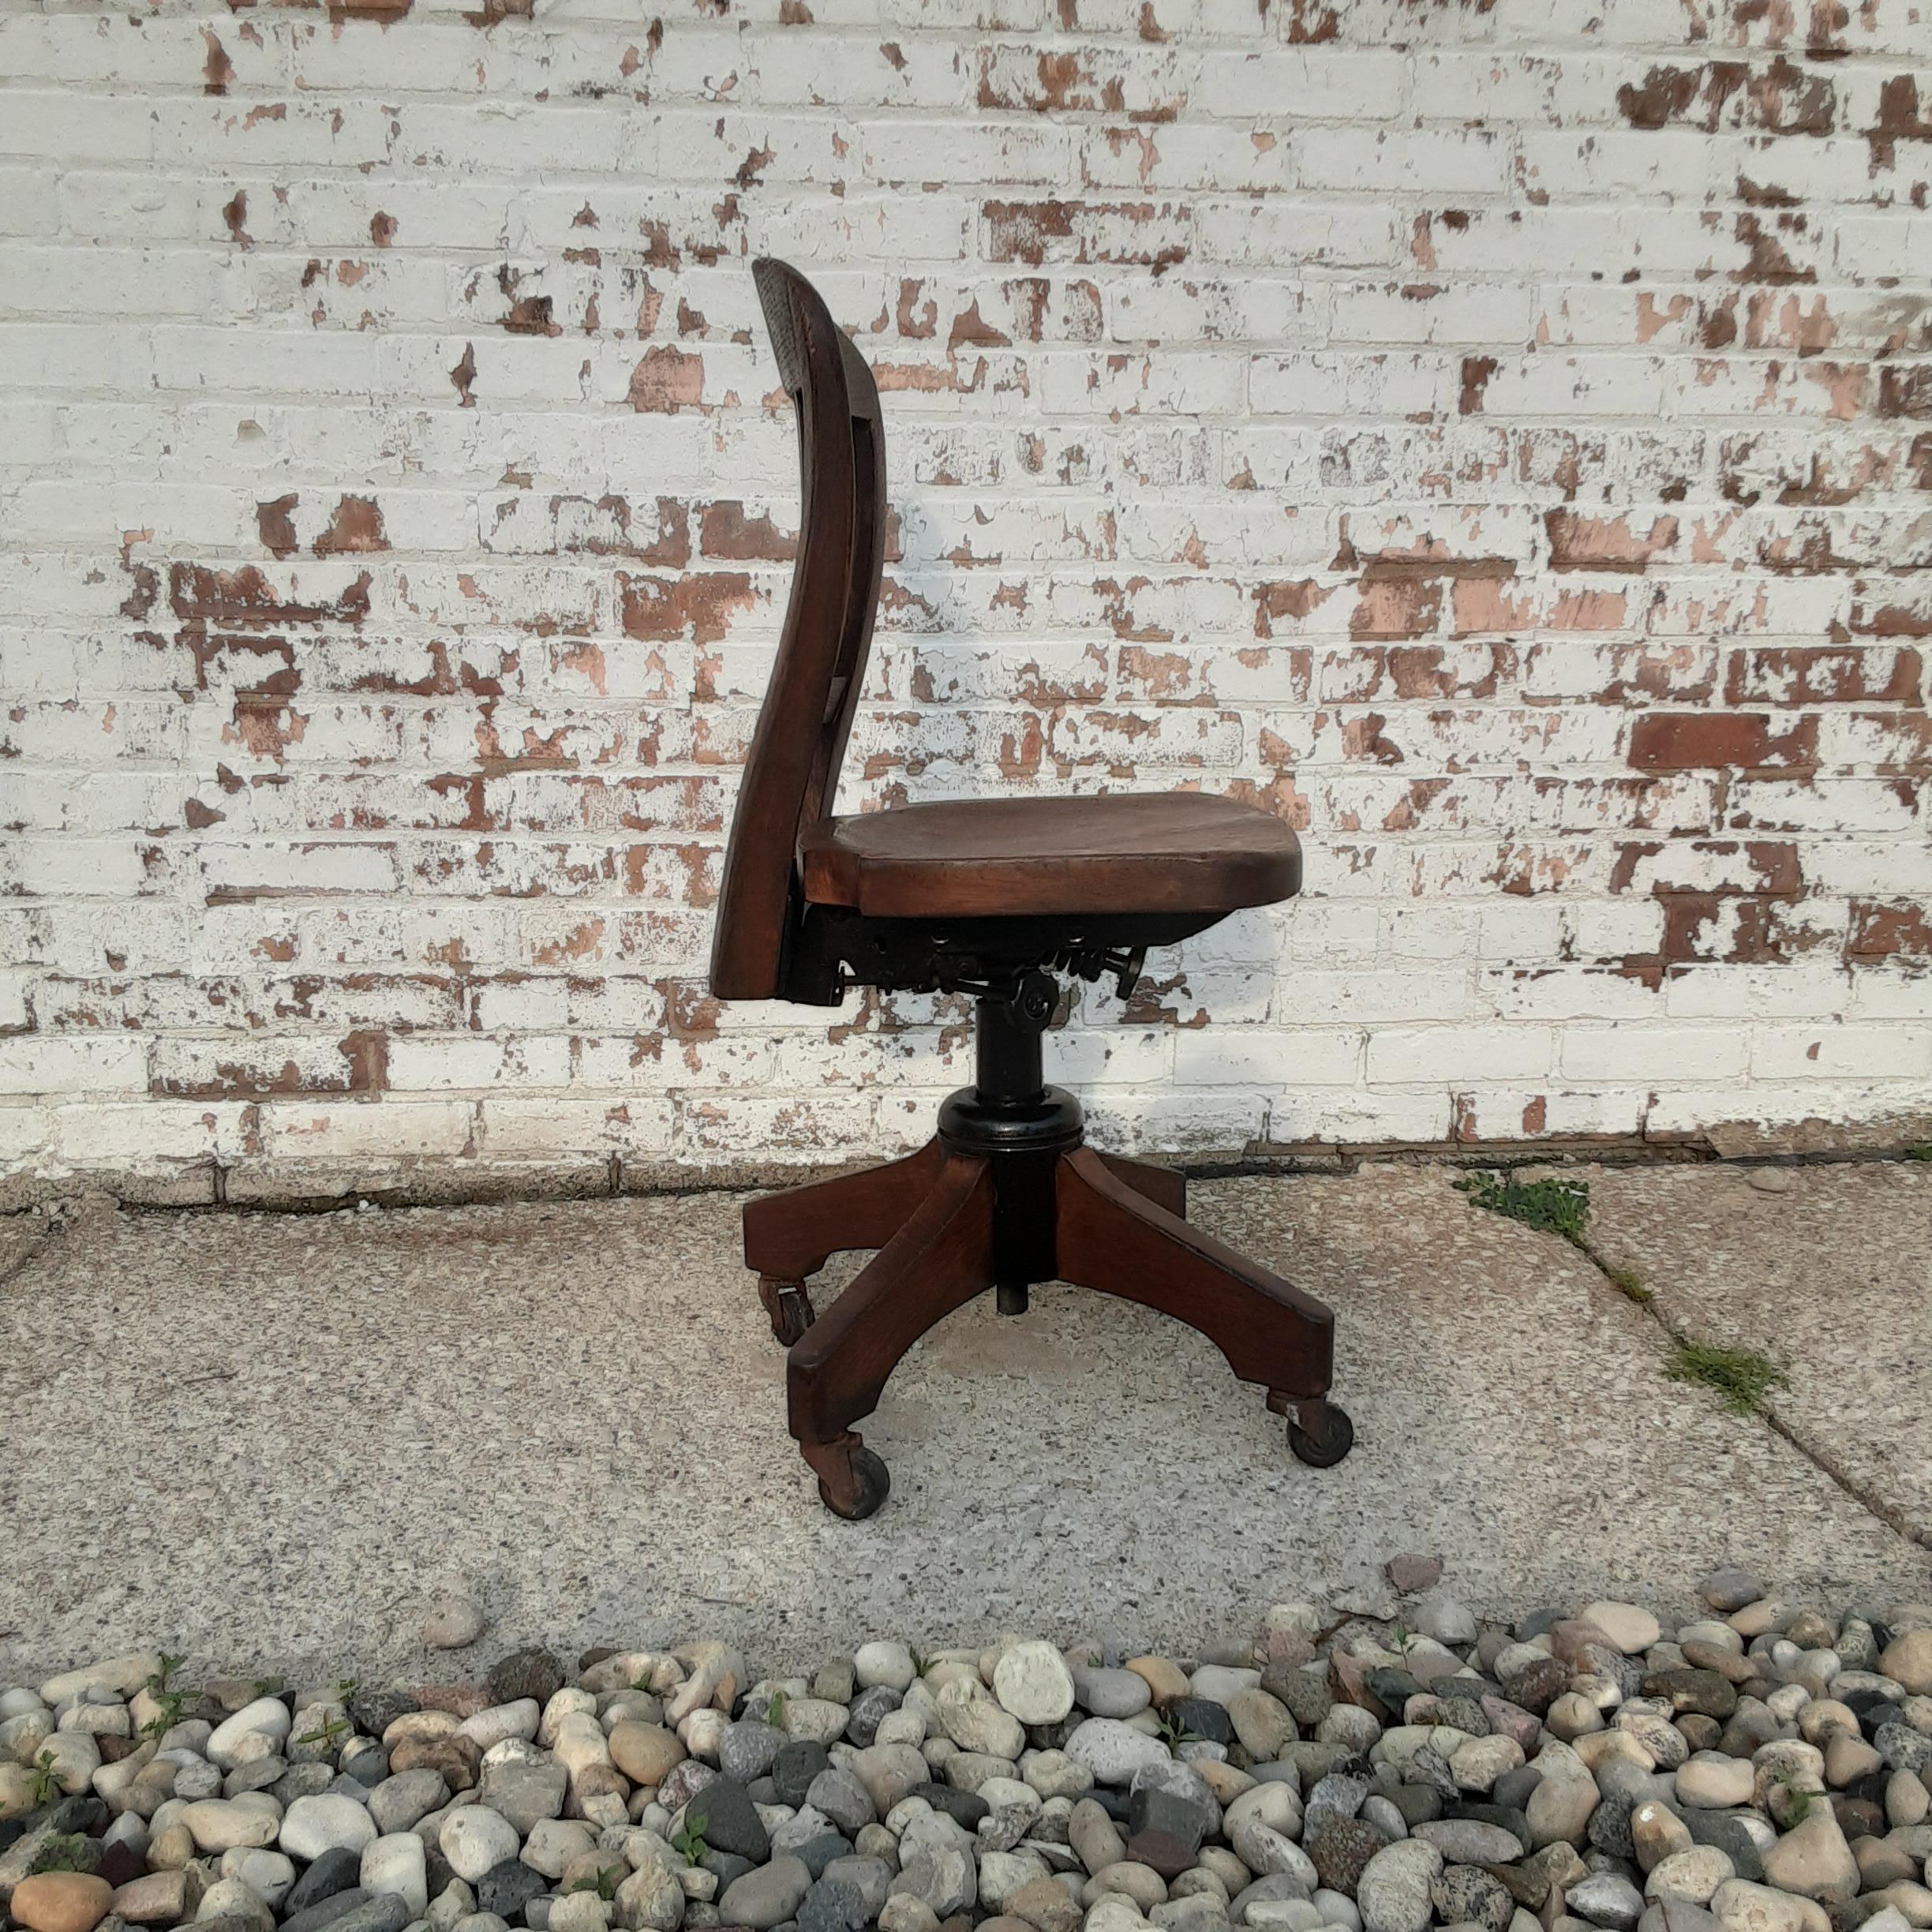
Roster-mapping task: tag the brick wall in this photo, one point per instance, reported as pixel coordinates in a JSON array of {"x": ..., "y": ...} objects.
[{"x": 1496, "y": 437}]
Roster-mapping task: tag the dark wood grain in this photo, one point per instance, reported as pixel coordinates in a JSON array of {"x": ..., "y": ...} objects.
[
  {"x": 1114, "y": 1239},
  {"x": 937, "y": 1262},
  {"x": 794, "y": 1233},
  {"x": 1166, "y": 1187},
  {"x": 791, "y": 770},
  {"x": 1121, "y": 851}
]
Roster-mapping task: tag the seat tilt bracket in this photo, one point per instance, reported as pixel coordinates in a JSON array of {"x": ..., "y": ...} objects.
[{"x": 833, "y": 950}]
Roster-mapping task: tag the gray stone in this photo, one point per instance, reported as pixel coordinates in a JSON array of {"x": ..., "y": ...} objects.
[
  {"x": 724, "y": 1814},
  {"x": 869, "y": 1709},
  {"x": 939, "y": 1873},
  {"x": 524, "y": 1791},
  {"x": 871, "y": 1878},
  {"x": 1465, "y": 1895},
  {"x": 476, "y": 1839},
  {"x": 1813, "y": 1860},
  {"x": 767, "y": 1896},
  {"x": 1341, "y": 1848},
  {"x": 313, "y": 1826},
  {"x": 1606, "y": 1898},
  {"x": 839, "y": 1795},
  {"x": 1393, "y": 1892},
  {"x": 397, "y": 1803},
  {"x": 507, "y": 1888},
  {"x": 1470, "y": 1841},
  {"x": 832, "y": 1906},
  {"x": 1442, "y": 1617},
  {"x": 799, "y": 1761},
  {"x": 313, "y": 1915},
  {"x": 1031, "y": 1682},
  {"x": 747, "y": 1750},
  {"x": 1113, "y": 1751},
  {"x": 1112, "y": 1693},
  {"x": 334, "y": 1872},
  {"x": 381, "y": 1912}
]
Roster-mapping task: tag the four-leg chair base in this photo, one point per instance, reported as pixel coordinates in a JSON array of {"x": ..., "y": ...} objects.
[{"x": 982, "y": 1207}]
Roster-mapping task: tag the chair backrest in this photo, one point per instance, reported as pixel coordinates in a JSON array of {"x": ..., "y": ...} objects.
[{"x": 791, "y": 772}]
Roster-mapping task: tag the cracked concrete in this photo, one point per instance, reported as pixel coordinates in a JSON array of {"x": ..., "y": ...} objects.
[
  {"x": 267, "y": 1440},
  {"x": 1830, "y": 1277}
]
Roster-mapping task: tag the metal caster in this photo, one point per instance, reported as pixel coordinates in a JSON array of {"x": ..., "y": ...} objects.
[
  {"x": 789, "y": 1307},
  {"x": 853, "y": 1481},
  {"x": 1320, "y": 1433}
]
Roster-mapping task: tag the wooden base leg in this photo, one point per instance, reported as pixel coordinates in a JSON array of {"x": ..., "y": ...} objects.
[
  {"x": 1166, "y": 1187},
  {"x": 790, "y": 1235},
  {"x": 937, "y": 1262},
  {"x": 1115, "y": 1239}
]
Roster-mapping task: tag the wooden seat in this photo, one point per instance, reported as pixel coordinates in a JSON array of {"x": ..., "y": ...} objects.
[
  {"x": 1123, "y": 851},
  {"x": 999, "y": 898}
]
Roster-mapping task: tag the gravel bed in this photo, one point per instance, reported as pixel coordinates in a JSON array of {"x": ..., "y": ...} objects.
[{"x": 1764, "y": 1768}]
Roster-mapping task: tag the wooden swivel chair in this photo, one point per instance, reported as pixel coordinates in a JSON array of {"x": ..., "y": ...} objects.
[{"x": 992, "y": 897}]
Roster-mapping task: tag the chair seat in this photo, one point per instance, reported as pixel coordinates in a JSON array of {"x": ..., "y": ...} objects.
[{"x": 1127, "y": 851}]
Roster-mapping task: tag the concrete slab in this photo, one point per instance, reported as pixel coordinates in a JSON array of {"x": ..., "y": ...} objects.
[
  {"x": 265, "y": 1440},
  {"x": 1832, "y": 1278}
]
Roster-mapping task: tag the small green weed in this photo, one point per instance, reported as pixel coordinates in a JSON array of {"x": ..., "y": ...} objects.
[
  {"x": 1741, "y": 1378},
  {"x": 689, "y": 1842},
  {"x": 327, "y": 1732},
  {"x": 1174, "y": 1733},
  {"x": 170, "y": 1702},
  {"x": 1630, "y": 1283},
  {"x": 1552, "y": 1204},
  {"x": 71, "y": 1852},
  {"x": 775, "y": 1710},
  {"x": 604, "y": 1882},
  {"x": 1922, "y": 1152},
  {"x": 42, "y": 1780}
]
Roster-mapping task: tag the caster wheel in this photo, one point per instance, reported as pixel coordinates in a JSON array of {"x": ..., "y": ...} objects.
[
  {"x": 789, "y": 1307},
  {"x": 871, "y": 1481},
  {"x": 1331, "y": 1437}
]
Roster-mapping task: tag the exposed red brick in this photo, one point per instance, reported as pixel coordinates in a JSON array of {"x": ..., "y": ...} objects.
[
  {"x": 1476, "y": 370},
  {"x": 667, "y": 380},
  {"x": 355, "y": 528},
  {"x": 246, "y": 597},
  {"x": 1580, "y": 542},
  {"x": 218, "y": 70},
  {"x": 275, "y": 526},
  {"x": 1906, "y": 392},
  {"x": 1690, "y": 741},
  {"x": 724, "y": 530},
  {"x": 1890, "y": 928},
  {"x": 1822, "y": 674},
  {"x": 700, "y": 604}
]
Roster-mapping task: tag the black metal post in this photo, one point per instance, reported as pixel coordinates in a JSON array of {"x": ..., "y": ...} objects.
[{"x": 1010, "y": 1068}]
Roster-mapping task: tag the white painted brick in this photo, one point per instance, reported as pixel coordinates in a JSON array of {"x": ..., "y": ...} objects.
[
  {"x": 1457, "y": 1053},
  {"x": 54, "y": 1065},
  {"x": 1641, "y": 1051},
  {"x": 1418, "y": 420}
]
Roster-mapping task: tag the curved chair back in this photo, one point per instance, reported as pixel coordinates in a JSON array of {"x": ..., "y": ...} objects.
[{"x": 791, "y": 772}]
